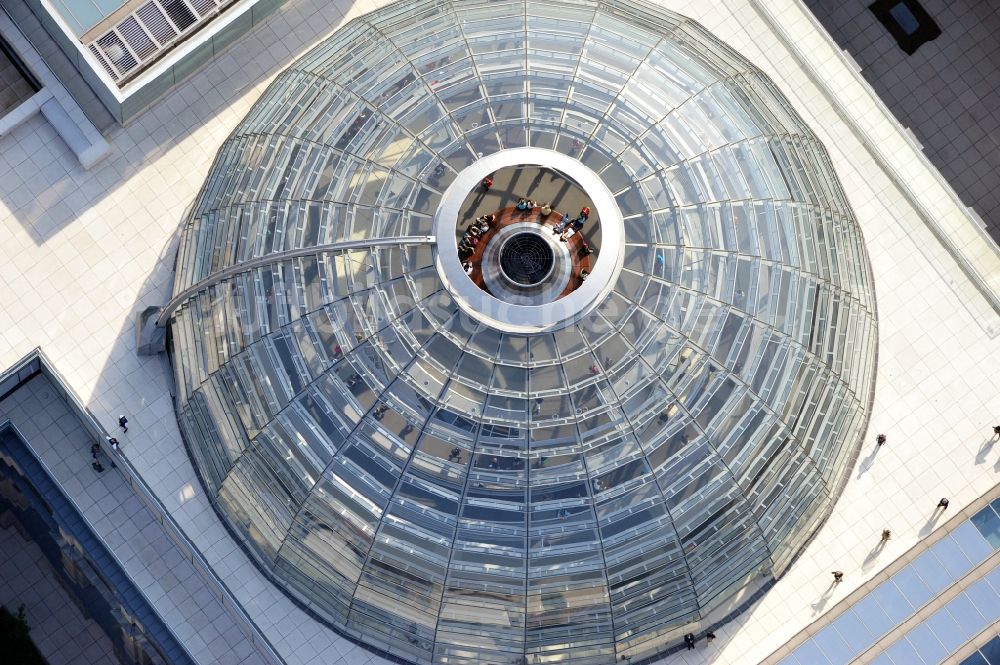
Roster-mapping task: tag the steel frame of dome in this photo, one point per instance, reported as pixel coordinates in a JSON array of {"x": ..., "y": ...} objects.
[{"x": 446, "y": 491}]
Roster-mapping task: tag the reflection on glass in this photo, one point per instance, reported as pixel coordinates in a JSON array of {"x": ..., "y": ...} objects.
[{"x": 448, "y": 492}]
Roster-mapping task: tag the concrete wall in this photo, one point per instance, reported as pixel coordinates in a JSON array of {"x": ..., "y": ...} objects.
[{"x": 141, "y": 97}]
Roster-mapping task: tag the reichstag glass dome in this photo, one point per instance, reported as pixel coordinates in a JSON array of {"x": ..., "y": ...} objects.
[{"x": 522, "y": 332}]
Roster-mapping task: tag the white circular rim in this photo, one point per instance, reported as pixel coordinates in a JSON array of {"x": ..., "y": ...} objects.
[{"x": 506, "y": 316}]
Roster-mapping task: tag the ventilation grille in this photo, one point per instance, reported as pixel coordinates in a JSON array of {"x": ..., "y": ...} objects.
[
  {"x": 136, "y": 37},
  {"x": 156, "y": 22},
  {"x": 179, "y": 13},
  {"x": 142, "y": 36}
]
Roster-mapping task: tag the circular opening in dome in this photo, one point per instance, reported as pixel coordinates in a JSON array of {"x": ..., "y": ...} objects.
[
  {"x": 526, "y": 259},
  {"x": 540, "y": 192},
  {"x": 529, "y": 199}
]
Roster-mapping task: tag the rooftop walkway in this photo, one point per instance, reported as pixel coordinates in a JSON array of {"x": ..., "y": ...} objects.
[{"x": 128, "y": 528}]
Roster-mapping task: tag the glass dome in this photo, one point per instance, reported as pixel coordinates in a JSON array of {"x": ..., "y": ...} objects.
[{"x": 452, "y": 478}]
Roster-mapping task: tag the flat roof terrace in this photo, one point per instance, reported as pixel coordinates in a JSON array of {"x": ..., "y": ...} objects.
[{"x": 83, "y": 251}]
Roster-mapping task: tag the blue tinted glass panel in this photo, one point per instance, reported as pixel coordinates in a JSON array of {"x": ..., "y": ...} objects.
[
  {"x": 902, "y": 653},
  {"x": 853, "y": 631},
  {"x": 991, "y": 650},
  {"x": 809, "y": 652},
  {"x": 947, "y": 630},
  {"x": 873, "y": 616},
  {"x": 988, "y": 523},
  {"x": 931, "y": 572},
  {"x": 830, "y": 642},
  {"x": 926, "y": 644},
  {"x": 892, "y": 602},
  {"x": 985, "y": 599},
  {"x": 969, "y": 619},
  {"x": 975, "y": 659},
  {"x": 972, "y": 542},
  {"x": 994, "y": 579},
  {"x": 912, "y": 586},
  {"x": 951, "y": 557},
  {"x": 80, "y": 16}
]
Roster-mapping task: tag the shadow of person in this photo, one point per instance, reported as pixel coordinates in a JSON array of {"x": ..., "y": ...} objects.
[
  {"x": 931, "y": 522},
  {"x": 473, "y": 208},
  {"x": 536, "y": 181},
  {"x": 873, "y": 555},
  {"x": 867, "y": 463},
  {"x": 985, "y": 449},
  {"x": 821, "y": 602}
]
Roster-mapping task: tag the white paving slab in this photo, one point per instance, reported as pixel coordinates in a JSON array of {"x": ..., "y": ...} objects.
[{"x": 80, "y": 252}]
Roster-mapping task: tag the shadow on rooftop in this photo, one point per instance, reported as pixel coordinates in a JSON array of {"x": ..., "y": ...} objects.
[
  {"x": 872, "y": 556},
  {"x": 931, "y": 523},
  {"x": 821, "y": 602},
  {"x": 867, "y": 463},
  {"x": 985, "y": 449}
]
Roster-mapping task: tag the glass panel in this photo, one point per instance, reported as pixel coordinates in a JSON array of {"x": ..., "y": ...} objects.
[
  {"x": 951, "y": 557},
  {"x": 892, "y": 602},
  {"x": 853, "y": 632},
  {"x": 902, "y": 652},
  {"x": 971, "y": 540},
  {"x": 926, "y": 644},
  {"x": 985, "y": 599},
  {"x": 929, "y": 569},
  {"x": 810, "y": 652},
  {"x": 872, "y": 616},
  {"x": 988, "y": 523},
  {"x": 946, "y": 629},
  {"x": 991, "y": 651},
  {"x": 833, "y": 646},
  {"x": 913, "y": 587},
  {"x": 455, "y": 490},
  {"x": 976, "y": 659}
]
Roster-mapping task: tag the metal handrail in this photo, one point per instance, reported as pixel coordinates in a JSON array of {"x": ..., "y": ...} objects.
[
  {"x": 236, "y": 269},
  {"x": 257, "y": 638}
]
